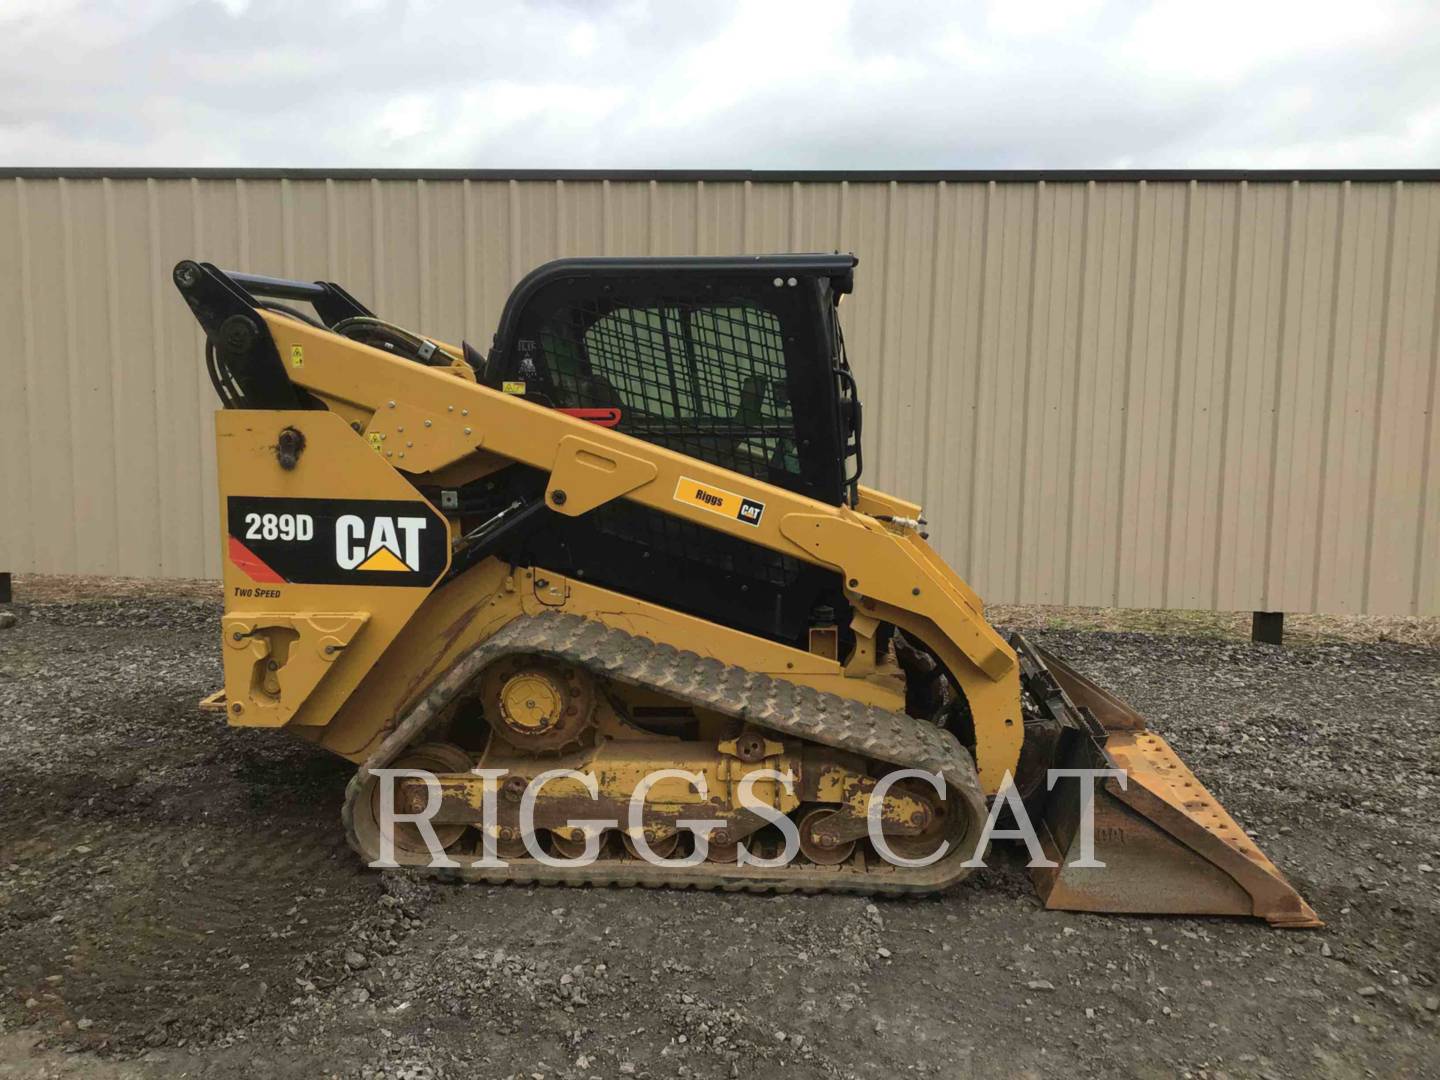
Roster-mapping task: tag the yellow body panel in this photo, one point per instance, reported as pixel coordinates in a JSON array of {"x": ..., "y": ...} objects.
[
  {"x": 335, "y": 464},
  {"x": 281, "y": 657}
]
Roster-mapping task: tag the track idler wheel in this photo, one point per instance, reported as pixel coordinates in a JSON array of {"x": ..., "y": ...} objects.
[
  {"x": 936, "y": 830},
  {"x": 664, "y": 848},
  {"x": 818, "y": 845},
  {"x": 565, "y": 847},
  {"x": 437, "y": 758},
  {"x": 722, "y": 849}
]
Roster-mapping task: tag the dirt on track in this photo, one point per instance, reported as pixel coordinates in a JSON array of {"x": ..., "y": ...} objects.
[{"x": 176, "y": 899}]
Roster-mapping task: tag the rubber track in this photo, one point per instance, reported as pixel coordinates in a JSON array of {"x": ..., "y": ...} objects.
[{"x": 781, "y": 706}]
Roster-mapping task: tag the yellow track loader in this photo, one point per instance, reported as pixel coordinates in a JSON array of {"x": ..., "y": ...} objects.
[{"x": 623, "y": 559}]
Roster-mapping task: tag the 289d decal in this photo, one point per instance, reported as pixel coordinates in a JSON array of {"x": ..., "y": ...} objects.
[
  {"x": 337, "y": 541},
  {"x": 279, "y": 527}
]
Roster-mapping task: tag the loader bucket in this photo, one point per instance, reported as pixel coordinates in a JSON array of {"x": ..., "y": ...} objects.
[{"x": 1167, "y": 844}]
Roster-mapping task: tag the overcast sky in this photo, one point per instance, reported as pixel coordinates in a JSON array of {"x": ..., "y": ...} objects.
[{"x": 771, "y": 84}]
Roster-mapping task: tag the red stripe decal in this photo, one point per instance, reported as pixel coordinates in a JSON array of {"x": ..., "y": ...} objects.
[{"x": 254, "y": 567}]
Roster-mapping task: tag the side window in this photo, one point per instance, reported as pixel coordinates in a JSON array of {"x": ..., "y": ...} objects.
[
  {"x": 638, "y": 353},
  {"x": 707, "y": 379},
  {"x": 739, "y": 357}
]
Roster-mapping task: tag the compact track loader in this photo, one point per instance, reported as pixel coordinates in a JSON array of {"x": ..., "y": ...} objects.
[{"x": 629, "y": 540}]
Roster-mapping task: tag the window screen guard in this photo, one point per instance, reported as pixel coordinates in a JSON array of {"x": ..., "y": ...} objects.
[
  {"x": 728, "y": 361},
  {"x": 708, "y": 380}
]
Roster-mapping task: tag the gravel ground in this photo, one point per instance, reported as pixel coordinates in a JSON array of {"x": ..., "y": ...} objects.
[{"x": 176, "y": 899}]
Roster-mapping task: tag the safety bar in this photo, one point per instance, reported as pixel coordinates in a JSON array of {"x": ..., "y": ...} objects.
[
  {"x": 278, "y": 288},
  {"x": 331, "y": 302}
]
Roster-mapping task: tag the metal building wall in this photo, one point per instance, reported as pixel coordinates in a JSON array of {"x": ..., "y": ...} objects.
[{"x": 1217, "y": 392}]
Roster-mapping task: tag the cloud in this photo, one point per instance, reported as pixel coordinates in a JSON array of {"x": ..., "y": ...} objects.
[
  {"x": 757, "y": 84},
  {"x": 1224, "y": 41}
]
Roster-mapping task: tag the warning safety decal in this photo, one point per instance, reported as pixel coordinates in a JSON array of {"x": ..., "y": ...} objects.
[{"x": 719, "y": 501}]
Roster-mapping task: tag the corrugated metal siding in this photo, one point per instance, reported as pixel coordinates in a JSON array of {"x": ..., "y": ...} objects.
[{"x": 1215, "y": 394}]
